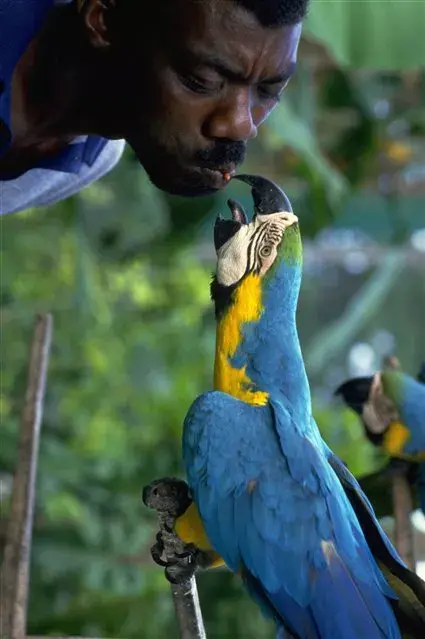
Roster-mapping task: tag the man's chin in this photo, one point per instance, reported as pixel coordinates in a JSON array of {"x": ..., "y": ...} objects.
[
  {"x": 184, "y": 185},
  {"x": 186, "y": 190},
  {"x": 188, "y": 181}
]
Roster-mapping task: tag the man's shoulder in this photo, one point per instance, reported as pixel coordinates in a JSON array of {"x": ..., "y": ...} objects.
[
  {"x": 45, "y": 186},
  {"x": 108, "y": 157},
  {"x": 20, "y": 21}
]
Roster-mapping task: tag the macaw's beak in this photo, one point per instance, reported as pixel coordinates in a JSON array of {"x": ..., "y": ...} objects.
[
  {"x": 355, "y": 392},
  {"x": 225, "y": 229},
  {"x": 267, "y": 196}
]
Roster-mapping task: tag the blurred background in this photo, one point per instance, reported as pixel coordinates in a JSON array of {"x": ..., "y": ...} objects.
[{"x": 125, "y": 270}]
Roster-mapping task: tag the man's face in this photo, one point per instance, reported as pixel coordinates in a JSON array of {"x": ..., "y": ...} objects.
[{"x": 196, "y": 87}]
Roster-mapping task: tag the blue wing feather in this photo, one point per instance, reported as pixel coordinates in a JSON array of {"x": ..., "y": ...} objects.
[{"x": 274, "y": 508}]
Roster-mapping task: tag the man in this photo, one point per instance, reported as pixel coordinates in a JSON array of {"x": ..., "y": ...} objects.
[{"x": 186, "y": 83}]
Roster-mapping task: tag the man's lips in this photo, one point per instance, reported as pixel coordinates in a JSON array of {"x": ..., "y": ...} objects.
[{"x": 217, "y": 177}]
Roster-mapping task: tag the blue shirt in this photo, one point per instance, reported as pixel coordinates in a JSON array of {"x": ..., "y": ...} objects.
[{"x": 20, "y": 21}]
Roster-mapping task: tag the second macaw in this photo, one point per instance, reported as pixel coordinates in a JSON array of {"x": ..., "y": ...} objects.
[
  {"x": 391, "y": 407},
  {"x": 274, "y": 501}
]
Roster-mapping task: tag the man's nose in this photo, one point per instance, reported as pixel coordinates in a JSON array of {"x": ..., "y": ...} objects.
[{"x": 232, "y": 119}]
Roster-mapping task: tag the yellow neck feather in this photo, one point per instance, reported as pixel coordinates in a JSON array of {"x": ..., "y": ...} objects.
[
  {"x": 395, "y": 438},
  {"x": 247, "y": 307}
]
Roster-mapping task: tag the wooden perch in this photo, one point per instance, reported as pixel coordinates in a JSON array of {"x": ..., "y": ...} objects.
[
  {"x": 403, "y": 529},
  {"x": 16, "y": 562},
  {"x": 402, "y": 499},
  {"x": 188, "y": 610}
]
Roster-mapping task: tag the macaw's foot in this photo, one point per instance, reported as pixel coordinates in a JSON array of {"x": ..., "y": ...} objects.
[
  {"x": 170, "y": 498},
  {"x": 179, "y": 566}
]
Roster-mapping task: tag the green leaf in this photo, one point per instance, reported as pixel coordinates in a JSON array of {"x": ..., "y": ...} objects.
[
  {"x": 385, "y": 34},
  {"x": 286, "y": 128},
  {"x": 64, "y": 506}
]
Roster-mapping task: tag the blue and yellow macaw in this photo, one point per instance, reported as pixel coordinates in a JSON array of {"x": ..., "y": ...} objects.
[
  {"x": 270, "y": 498},
  {"x": 391, "y": 407}
]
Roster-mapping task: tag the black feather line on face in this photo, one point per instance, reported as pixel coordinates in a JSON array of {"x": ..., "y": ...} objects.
[
  {"x": 377, "y": 439},
  {"x": 222, "y": 296}
]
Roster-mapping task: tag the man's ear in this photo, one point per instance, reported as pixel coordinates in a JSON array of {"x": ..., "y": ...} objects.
[{"x": 93, "y": 13}]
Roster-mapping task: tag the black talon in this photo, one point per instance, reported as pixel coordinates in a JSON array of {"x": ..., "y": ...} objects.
[
  {"x": 168, "y": 528},
  {"x": 156, "y": 556},
  {"x": 268, "y": 197},
  {"x": 186, "y": 554}
]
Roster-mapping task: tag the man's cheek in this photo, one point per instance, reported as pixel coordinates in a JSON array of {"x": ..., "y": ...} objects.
[{"x": 260, "y": 114}]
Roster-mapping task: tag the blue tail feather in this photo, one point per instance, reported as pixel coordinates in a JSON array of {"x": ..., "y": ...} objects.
[{"x": 362, "y": 609}]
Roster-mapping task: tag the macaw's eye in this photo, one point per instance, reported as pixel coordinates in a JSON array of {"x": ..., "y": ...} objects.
[{"x": 265, "y": 251}]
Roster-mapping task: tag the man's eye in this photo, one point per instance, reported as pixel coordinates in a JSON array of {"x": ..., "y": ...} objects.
[
  {"x": 270, "y": 92},
  {"x": 199, "y": 85}
]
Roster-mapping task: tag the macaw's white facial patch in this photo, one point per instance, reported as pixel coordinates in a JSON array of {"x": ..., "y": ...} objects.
[
  {"x": 379, "y": 410},
  {"x": 253, "y": 248}
]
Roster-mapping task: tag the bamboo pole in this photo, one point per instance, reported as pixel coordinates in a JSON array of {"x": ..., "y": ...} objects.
[{"x": 16, "y": 562}]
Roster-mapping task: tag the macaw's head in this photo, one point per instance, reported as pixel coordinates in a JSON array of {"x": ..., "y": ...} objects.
[
  {"x": 370, "y": 399},
  {"x": 266, "y": 250}
]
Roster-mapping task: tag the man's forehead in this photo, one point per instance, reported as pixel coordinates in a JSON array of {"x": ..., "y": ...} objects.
[
  {"x": 222, "y": 33},
  {"x": 207, "y": 15}
]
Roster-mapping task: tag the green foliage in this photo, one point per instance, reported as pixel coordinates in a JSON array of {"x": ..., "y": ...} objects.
[
  {"x": 118, "y": 390},
  {"x": 327, "y": 185},
  {"x": 381, "y": 35},
  {"x": 336, "y": 335},
  {"x": 341, "y": 429}
]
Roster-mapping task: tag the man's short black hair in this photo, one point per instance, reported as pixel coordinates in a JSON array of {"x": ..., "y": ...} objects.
[
  {"x": 276, "y": 13},
  {"x": 269, "y": 13}
]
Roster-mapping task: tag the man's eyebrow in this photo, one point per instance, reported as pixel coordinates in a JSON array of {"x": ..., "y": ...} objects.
[
  {"x": 281, "y": 77},
  {"x": 224, "y": 69}
]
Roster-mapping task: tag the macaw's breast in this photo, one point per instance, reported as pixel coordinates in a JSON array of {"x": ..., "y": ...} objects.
[
  {"x": 246, "y": 307},
  {"x": 395, "y": 439},
  {"x": 190, "y": 529}
]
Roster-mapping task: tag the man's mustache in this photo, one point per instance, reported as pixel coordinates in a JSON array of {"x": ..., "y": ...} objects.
[{"x": 222, "y": 154}]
